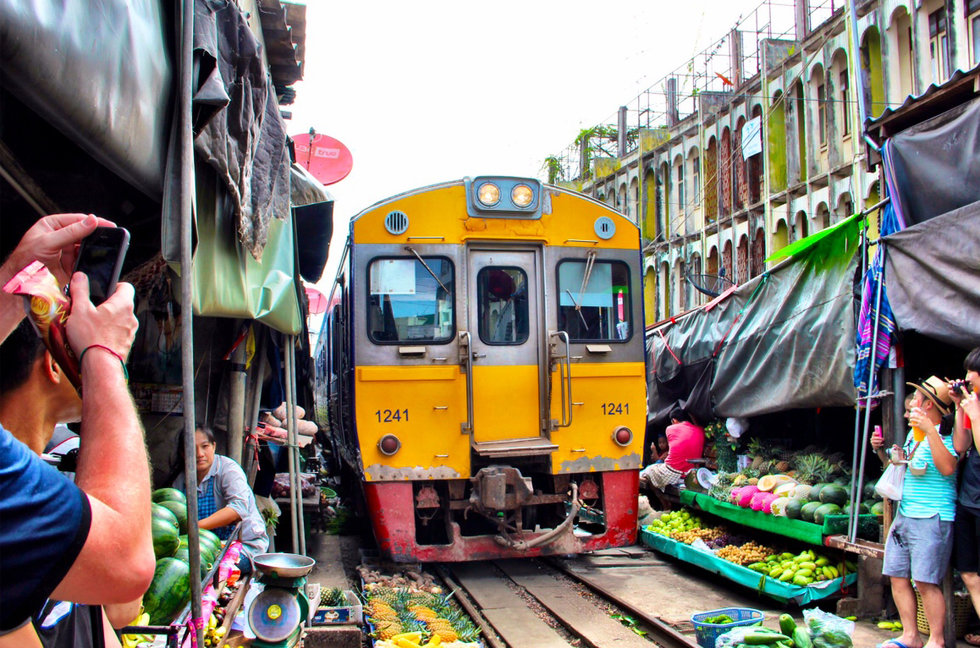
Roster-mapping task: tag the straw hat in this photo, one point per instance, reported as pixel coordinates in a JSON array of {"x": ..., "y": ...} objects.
[{"x": 936, "y": 390}]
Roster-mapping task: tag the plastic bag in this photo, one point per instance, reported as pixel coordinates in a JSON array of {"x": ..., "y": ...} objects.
[
  {"x": 733, "y": 637},
  {"x": 828, "y": 630},
  {"x": 890, "y": 483}
]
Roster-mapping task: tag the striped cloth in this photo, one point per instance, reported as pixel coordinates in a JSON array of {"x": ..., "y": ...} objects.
[
  {"x": 925, "y": 495},
  {"x": 866, "y": 379}
]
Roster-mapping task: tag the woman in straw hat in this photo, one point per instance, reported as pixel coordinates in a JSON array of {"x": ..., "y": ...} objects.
[{"x": 919, "y": 541}]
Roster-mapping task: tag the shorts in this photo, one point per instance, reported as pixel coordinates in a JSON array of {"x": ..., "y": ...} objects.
[
  {"x": 966, "y": 531},
  {"x": 918, "y": 548},
  {"x": 660, "y": 475}
]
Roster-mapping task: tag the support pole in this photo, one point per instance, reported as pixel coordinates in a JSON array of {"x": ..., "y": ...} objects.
[
  {"x": 185, "y": 146},
  {"x": 299, "y": 494},
  {"x": 236, "y": 404},
  {"x": 294, "y": 494}
]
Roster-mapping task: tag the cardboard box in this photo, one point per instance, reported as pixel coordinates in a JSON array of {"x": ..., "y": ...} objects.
[{"x": 353, "y": 612}]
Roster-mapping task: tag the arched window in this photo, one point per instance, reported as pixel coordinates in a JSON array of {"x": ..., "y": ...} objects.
[
  {"x": 742, "y": 260},
  {"x": 757, "y": 260},
  {"x": 710, "y": 201},
  {"x": 901, "y": 57},
  {"x": 725, "y": 172}
]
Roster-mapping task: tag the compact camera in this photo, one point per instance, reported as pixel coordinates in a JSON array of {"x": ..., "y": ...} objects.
[{"x": 957, "y": 386}]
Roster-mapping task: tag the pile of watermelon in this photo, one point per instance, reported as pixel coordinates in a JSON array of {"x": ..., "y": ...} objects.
[
  {"x": 781, "y": 495},
  {"x": 170, "y": 590}
]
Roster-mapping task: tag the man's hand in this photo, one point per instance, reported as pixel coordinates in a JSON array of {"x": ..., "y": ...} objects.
[
  {"x": 113, "y": 324},
  {"x": 53, "y": 241}
]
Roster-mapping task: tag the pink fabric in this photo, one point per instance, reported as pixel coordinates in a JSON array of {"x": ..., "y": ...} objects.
[{"x": 686, "y": 441}]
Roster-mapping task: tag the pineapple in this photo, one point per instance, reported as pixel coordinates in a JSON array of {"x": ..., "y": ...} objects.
[
  {"x": 812, "y": 468},
  {"x": 388, "y": 630},
  {"x": 444, "y": 629},
  {"x": 423, "y": 613}
]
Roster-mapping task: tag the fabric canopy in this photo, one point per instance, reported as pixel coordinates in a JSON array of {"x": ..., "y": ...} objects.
[
  {"x": 932, "y": 274},
  {"x": 931, "y": 167},
  {"x": 783, "y": 340},
  {"x": 98, "y": 71}
]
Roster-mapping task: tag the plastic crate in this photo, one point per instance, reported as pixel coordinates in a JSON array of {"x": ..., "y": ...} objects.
[{"x": 707, "y": 633}]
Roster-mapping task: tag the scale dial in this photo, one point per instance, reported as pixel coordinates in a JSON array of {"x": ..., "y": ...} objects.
[{"x": 275, "y": 614}]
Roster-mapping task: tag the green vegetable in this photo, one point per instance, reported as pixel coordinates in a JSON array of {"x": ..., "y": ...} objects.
[
  {"x": 758, "y": 638},
  {"x": 721, "y": 618},
  {"x": 169, "y": 591},
  {"x": 786, "y": 624},
  {"x": 165, "y": 541},
  {"x": 801, "y": 638}
]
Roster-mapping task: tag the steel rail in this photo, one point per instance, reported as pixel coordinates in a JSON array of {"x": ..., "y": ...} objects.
[{"x": 665, "y": 635}]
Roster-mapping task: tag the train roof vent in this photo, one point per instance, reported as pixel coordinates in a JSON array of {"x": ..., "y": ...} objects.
[
  {"x": 396, "y": 222},
  {"x": 605, "y": 227}
]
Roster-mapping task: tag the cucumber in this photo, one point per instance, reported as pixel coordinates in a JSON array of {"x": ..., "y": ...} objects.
[
  {"x": 760, "y": 638},
  {"x": 801, "y": 638},
  {"x": 786, "y": 624}
]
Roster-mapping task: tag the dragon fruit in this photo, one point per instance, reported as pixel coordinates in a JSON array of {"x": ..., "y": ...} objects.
[{"x": 745, "y": 496}]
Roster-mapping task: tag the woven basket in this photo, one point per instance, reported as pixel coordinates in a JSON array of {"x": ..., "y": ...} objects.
[{"x": 963, "y": 613}]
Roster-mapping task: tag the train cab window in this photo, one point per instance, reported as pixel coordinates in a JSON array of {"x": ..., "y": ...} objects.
[
  {"x": 502, "y": 305},
  {"x": 594, "y": 300},
  {"x": 411, "y": 300}
]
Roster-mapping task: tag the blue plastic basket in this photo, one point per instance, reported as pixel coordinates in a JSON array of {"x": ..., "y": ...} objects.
[{"x": 707, "y": 633}]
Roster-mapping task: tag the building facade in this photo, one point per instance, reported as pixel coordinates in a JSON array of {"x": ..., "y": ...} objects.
[{"x": 758, "y": 141}]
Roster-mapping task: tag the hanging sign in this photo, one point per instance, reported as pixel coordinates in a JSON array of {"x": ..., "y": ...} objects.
[{"x": 752, "y": 138}]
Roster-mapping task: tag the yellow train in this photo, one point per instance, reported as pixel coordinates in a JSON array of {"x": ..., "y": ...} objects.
[{"x": 482, "y": 370}]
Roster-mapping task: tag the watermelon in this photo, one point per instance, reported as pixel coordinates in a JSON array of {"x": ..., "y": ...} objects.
[
  {"x": 169, "y": 591},
  {"x": 815, "y": 491},
  {"x": 869, "y": 491},
  {"x": 208, "y": 553},
  {"x": 861, "y": 509},
  {"x": 212, "y": 539},
  {"x": 824, "y": 510},
  {"x": 180, "y": 512},
  {"x": 169, "y": 495},
  {"x": 833, "y": 494},
  {"x": 794, "y": 508},
  {"x": 165, "y": 541},
  {"x": 161, "y": 512},
  {"x": 806, "y": 513},
  {"x": 878, "y": 508}
]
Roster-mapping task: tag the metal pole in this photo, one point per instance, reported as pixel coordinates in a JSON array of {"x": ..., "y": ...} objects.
[
  {"x": 185, "y": 146},
  {"x": 291, "y": 449},
  {"x": 856, "y": 503},
  {"x": 236, "y": 404},
  {"x": 248, "y": 461},
  {"x": 299, "y": 493}
]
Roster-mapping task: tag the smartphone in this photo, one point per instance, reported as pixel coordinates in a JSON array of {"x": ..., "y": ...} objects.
[{"x": 100, "y": 256}]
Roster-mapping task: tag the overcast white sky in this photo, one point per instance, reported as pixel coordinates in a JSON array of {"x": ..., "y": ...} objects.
[{"x": 429, "y": 91}]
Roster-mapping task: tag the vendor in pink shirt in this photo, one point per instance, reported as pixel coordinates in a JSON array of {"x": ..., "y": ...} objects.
[{"x": 685, "y": 441}]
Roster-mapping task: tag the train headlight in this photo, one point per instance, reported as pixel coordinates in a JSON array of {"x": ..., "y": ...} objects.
[
  {"x": 488, "y": 194},
  {"x": 622, "y": 436},
  {"x": 389, "y": 444},
  {"x": 522, "y": 195}
]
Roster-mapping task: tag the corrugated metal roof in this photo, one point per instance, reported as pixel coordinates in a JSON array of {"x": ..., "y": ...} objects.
[
  {"x": 936, "y": 99},
  {"x": 284, "y": 31}
]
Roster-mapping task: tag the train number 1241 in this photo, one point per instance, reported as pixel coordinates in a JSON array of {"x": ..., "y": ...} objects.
[
  {"x": 609, "y": 409},
  {"x": 392, "y": 416}
]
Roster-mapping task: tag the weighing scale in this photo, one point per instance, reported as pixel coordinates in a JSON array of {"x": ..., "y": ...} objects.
[{"x": 277, "y": 614}]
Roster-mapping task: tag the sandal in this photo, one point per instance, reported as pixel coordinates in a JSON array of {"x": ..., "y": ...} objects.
[{"x": 972, "y": 638}]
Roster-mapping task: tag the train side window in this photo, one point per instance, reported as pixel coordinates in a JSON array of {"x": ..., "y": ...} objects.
[
  {"x": 502, "y": 305},
  {"x": 411, "y": 300},
  {"x": 594, "y": 303}
]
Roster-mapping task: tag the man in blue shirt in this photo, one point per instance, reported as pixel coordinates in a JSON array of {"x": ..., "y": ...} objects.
[{"x": 90, "y": 542}]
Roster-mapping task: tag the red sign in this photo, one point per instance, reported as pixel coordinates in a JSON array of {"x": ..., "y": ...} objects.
[{"x": 323, "y": 156}]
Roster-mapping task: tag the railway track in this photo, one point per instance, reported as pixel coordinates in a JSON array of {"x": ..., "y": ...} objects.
[{"x": 545, "y": 604}]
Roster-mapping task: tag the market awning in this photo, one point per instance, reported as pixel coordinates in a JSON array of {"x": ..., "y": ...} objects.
[
  {"x": 228, "y": 280},
  {"x": 932, "y": 275},
  {"x": 100, "y": 73},
  {"x": 783, "y": 340}
]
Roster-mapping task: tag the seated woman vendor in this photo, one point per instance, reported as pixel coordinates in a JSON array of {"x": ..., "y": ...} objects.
[{"x": 224, "y": 498}]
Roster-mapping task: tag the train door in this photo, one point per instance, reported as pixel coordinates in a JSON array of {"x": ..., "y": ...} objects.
[{"x": 504, "y": 312}]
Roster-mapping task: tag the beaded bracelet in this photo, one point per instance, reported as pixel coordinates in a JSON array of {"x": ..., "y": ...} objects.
[{"x": 110, "y": 352}]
